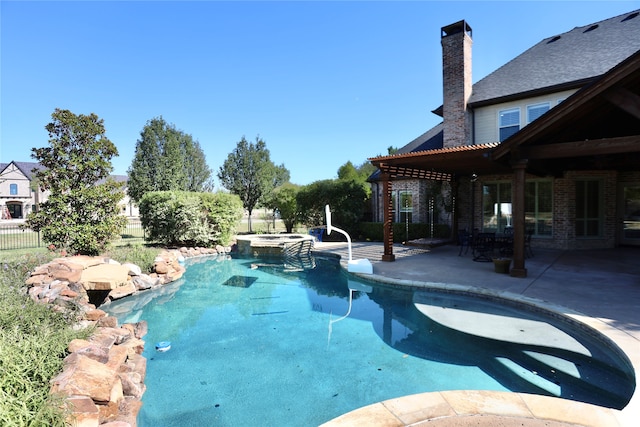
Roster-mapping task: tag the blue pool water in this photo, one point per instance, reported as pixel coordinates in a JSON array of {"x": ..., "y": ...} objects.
[{"x": 257, "y": 342}]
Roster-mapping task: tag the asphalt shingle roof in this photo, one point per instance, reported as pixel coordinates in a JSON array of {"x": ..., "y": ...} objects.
[
  {"x": 25, "y": 167},
  {"x": 431, "y": 139},
  {"x": 570, "y": 58}
]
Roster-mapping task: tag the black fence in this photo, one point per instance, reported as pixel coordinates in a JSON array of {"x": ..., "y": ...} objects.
[{"x": 13, "y": 236}]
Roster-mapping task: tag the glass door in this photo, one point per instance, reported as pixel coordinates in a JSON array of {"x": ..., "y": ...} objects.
[{"x": 630, "y": 208}]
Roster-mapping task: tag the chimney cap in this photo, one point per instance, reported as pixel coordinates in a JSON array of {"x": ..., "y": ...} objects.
[{"x": 455, "y": 28}]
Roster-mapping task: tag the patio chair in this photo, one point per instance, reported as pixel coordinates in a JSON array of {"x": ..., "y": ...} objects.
[
  {"x": 464, "y": 241},
  {"x": 528, "y": 253},
  {"x": 483, "y": 246}
]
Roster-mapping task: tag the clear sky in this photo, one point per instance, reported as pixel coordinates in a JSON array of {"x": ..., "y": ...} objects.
[{"x": 322, "y": 83}]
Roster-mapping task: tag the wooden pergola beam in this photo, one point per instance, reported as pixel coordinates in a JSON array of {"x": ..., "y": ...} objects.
[{"x": 408, "y": 172}]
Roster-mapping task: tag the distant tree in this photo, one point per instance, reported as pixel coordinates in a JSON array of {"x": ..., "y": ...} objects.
[
  {"x": 284, "y": 201},
  {"x": 249, "y": 172},
  {"x": 359, "y": 174},
  {"x": 167, "y": 159},
  {"x": 347, "y": 199},
  {"x": 81, "y": 214},
  {"x": 392, "y": 150},
  {"x": 348, "y": 172}
]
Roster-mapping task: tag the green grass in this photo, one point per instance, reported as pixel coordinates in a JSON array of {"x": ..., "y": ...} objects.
[
  {"x": 34, "y": 338},
  {"x": 33, "y": 343},
  {"x": 138, "y": 254}
]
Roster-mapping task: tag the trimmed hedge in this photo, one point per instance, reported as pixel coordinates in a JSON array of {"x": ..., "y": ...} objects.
[
  {"x": 373, "y": 231},
  {"x": 188, "y": 218}
]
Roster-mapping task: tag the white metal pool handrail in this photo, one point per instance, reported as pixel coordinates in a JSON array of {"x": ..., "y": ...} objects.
[{"x": 330, "y": 227}]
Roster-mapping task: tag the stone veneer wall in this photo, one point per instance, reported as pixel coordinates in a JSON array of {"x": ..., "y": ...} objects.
[{"x": 103, "y": 377}]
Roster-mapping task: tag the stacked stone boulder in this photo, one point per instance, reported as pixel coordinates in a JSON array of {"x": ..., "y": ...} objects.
[{"x": 103, "y": 376}]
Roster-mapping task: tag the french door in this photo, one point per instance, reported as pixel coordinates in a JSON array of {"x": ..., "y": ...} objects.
[{"x": 630, "y": 213}]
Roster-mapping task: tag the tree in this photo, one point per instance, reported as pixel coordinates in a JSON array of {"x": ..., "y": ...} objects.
[
  {"x": 167, "y": 159},
  {"x": 348, "y": 172},
  {"x": 360, "y": 174},
  {"x": 81, "y": 214},
  {"x": 249, "y": 172},
  {"x": 284, "y": 201},
  {"x": 347, "y": 200}
]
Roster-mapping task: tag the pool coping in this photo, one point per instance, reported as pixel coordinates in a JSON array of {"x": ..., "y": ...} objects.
[{"x": 462, "y": 405}]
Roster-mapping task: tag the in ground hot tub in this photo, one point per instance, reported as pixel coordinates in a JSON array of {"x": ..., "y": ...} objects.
[{"x": 262, "y": 245}]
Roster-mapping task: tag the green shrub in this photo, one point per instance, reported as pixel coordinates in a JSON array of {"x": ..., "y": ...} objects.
[
  {"x": 33, "y": 343},
  {"x": 191, "y": 219},
  {"x": 224, "y": 212},
  {"x": 140, "y": 255}
]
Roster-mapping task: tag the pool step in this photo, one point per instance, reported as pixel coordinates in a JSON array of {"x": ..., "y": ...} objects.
[
  {"x": 553, "y": 374},
  {"x": 299, "y": 248}
]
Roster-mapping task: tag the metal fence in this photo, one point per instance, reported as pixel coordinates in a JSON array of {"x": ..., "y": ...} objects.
[{"x": 14, "y": 236}]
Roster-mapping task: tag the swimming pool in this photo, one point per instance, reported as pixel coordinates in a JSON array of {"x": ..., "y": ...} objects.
[{"x": 259, "y": 341}]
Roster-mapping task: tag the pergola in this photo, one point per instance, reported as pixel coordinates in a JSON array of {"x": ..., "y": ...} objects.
[{"x": 597, "y": 128}]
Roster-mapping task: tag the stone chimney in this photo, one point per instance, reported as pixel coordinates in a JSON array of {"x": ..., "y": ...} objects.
[{"x": 456, "y": 81}]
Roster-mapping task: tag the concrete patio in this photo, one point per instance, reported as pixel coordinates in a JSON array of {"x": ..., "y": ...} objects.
[{"x": 600, "y": 288}]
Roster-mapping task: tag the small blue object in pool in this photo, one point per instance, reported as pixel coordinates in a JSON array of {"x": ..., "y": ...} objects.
[{"x": 163, "y": 346}]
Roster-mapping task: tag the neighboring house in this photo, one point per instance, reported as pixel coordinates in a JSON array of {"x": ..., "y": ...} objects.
[
  {"x": 126, "y": 205},
  {"x": 19, "y": 194},
  {"x": 549, "y": 143}
]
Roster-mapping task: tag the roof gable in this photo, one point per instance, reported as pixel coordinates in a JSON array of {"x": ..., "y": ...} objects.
[
  {"x": 597, "y": 127},
  {"x": 25, "y": 167}
]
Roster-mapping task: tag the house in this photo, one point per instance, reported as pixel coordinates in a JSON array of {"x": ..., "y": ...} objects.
[
  {"x": 548, "y": 144},
  {"x": 19, "y": 195}
]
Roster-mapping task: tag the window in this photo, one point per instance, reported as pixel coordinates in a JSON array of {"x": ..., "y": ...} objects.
[
  {"x": 405, "y": 206},
  {"x": 538, "y": 207},
  {"x": 13, "y": 189},
  {"x": 508, "y": 123},
  {"x": 536, "y": 110},
  {"x": 496, "y": 206},
  {"x": 588, "y": 208}
]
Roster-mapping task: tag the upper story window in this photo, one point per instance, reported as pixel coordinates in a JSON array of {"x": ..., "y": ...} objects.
[
  {"x": 536, "y": 110},
  {"x": 508, "y": 122},
  {"x": 13, "y": 189}
]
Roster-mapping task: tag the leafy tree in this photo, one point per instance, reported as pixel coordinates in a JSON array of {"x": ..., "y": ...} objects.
[
  {"x": 349, "y": 172},
  {"x": 81, "y": 214},
  {"x": 167, "y": 159},
  {"x": 249, "y": 172},
  {"x": 284, "y": 201},
  {"x": 347, "y": 200}
]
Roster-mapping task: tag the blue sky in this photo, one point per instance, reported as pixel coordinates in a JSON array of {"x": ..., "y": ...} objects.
[{"x": 322, "y": 83}]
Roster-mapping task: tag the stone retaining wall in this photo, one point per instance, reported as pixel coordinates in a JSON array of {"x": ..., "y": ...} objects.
[{"x": 103, "y": 376}]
